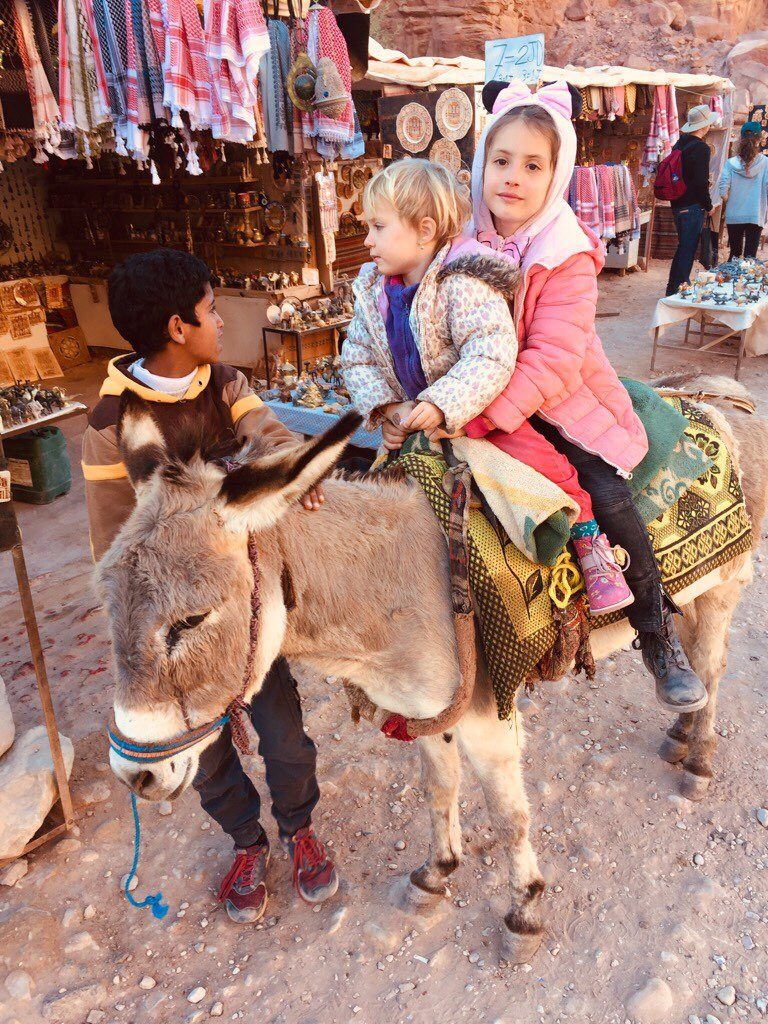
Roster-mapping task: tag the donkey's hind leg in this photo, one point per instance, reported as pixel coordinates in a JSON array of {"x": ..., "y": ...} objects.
[
  {"x": 494, "y": 747},
  {"x": 441, "y": 774},
  {"x": 705, "y": 637}
]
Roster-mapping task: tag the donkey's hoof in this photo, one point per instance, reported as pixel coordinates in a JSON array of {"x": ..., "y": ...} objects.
[
  {"x": 418, "y": 894},
  {"x": 519, "y": 947},
  {"x": 672, "y": 751},
  {"x": 694, "y": 787}
]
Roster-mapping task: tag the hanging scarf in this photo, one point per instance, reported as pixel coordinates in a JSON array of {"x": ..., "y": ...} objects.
[
  {"x": 45, "y": 109},
  {"x": 114, "y": 69},
  {"x": 187, "y": 82},
  {"x": 664, "y": 131},
  {"x": 585, "y": 200},
  {"x": 273, "y": 74},
  {"x": 236, "y": 37},
  {"x": 83, "y": 95},
  {"x": 144, "y": 79},
  {"x": 324, "y": 39},
  {"x": 607, "y": 199}
]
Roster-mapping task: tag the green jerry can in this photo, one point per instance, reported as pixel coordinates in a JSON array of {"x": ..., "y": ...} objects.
[{"x": 39, "y": 465}]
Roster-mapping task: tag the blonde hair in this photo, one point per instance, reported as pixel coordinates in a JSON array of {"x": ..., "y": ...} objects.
[{"x": 418, "y": 188}]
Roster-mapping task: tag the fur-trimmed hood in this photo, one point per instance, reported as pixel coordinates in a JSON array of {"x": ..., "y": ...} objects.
[{"x": 495, "y": 271}]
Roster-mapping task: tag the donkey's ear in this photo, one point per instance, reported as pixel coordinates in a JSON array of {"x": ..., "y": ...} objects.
[
  {"x": 257, "y": 494},
  {"x": 139, "y": 438}
]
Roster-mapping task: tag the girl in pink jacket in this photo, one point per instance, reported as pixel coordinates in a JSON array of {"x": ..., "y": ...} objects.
[{"x": 564, "y": 410}]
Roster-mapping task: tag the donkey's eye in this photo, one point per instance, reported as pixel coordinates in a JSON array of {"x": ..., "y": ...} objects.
[{"x": 178, "y": 628}]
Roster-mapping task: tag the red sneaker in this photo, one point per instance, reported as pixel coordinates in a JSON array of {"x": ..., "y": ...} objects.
[
  {"x": 244, "y": 889},
  {"x": 314, "y": 876}
]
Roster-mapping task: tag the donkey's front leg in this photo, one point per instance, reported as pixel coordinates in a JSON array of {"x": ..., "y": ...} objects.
[
  {"x": 494, "y": 748},
  {"x": 440, "y": 777}
]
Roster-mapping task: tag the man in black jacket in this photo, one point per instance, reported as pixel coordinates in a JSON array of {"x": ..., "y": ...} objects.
[{"x": 694, "y": 204}]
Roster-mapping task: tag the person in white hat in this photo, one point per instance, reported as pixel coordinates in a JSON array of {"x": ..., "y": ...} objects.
[{"x": 694, "y": 204}]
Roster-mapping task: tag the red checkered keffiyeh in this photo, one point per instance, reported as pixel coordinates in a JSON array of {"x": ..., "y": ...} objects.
[
  {"x": 236, "y": 39},
  {"x": 586, "y": 200},
  {"x": 664, "y": 131},
  {"x": 186, "y": 75},
  {"x": 607, "y": 199},
  {"x": 45, "y": 109},
  {"x": 322, "y": 37}
]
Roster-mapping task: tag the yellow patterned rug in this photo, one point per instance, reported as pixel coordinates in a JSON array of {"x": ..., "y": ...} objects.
[{"x": 703, "y": 525}]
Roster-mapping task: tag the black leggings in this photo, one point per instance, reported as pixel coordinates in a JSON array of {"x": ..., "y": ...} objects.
[
  {"x": 744, "y": 240},
  {"x": 619, "y": 519}
]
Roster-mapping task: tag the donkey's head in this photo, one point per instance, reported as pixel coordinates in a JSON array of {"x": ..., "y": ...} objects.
[{"x": 178, "y": 582}]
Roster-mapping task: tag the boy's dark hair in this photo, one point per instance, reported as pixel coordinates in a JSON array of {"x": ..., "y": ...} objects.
[{"x": 147, "y": 289}]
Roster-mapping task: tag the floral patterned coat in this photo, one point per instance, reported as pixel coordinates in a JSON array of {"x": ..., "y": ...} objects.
[{"x": 463, "y": 328}]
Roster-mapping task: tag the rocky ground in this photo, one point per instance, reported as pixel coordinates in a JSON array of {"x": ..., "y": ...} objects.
[{"x": 656, "y": 908}]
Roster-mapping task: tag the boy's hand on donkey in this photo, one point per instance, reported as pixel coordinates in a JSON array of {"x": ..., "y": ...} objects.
[
  {"x": 392, "y": 430},
  {"x": 313, "y": 499}
]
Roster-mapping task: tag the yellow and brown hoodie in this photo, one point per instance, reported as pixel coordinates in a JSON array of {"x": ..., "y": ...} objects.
[{"x": 218, "y": 399}]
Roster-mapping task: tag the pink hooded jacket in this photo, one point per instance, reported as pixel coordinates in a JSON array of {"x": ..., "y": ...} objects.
[{"x": 562, "y": 373}]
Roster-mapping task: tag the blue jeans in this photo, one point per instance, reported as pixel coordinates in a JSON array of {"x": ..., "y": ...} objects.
[{"x": 688, "y": 221}]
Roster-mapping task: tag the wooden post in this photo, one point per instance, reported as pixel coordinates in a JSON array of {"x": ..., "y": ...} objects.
[
  {"x": 10, "y": 539},
  {"x": 649, "y": 237}
]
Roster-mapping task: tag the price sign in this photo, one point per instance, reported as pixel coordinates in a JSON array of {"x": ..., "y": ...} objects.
[{"x": 521, "y": 58}]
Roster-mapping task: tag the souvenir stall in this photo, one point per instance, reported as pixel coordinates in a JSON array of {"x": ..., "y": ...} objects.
[
  {"x": 221, "y": 131},
  {"x": 730, "y": 306},
  {"x": 628, "y": 123}
]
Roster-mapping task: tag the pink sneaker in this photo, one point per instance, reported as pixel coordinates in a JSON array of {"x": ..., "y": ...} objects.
[{"x": 607, "y": 590}]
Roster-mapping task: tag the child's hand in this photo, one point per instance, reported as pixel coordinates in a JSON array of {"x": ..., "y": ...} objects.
[
  {"x": 398, "y": 412},
  {"x": 426, "y": 417},
  {"x": 314, "y": 498},
  {"x": 392, "y": 436}
]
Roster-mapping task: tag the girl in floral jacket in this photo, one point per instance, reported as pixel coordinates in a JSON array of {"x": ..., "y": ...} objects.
[{"x": 432, "y": 325}]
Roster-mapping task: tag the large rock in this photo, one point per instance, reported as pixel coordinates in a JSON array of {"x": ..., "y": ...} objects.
[
  {"x": 7, "y": 728},
  {"x": 704, "y": 27},
  {"x": 578, "y": 10},
  {"x": 679, "y": 17},
  {"x": 28, "y": 788},
  {"x": 652, "y": 1004},
  {"x": 656, "y": 14}
]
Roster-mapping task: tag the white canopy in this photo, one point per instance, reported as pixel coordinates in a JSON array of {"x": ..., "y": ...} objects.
[{"x": 393, "y": 67}]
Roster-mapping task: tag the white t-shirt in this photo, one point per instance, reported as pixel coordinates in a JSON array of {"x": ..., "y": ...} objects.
[{"x": 168, "y": 385}]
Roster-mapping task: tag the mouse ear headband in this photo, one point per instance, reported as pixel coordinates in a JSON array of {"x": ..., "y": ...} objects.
[{"x": 558, "y": 97}]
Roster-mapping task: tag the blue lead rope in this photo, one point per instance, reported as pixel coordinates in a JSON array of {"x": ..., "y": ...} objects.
[{"x": 155, "y": 903}]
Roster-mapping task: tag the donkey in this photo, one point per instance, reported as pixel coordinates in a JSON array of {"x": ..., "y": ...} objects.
[{"x": 359, "y": 590}]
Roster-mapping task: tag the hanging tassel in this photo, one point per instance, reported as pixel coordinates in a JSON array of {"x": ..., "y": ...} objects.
[
  {"x": 176, "y": 121},
  {"x": 193, "y": 163},
  {"x": 155, "y": 903},
  {"x": 120, "y": 149},
  {"x": 153, "y": 173},
  {"x": 40, "y": 157}
]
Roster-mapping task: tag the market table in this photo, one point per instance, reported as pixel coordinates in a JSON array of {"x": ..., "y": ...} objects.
[
  {"x": 335, "y": 327},
  {"x": 71, "y": 409},
  {"x": 749, "y": 323},
  {"x": 314, "y": 421}
]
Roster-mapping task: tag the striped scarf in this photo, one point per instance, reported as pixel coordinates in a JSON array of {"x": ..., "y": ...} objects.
[
  {"x": 664, "y": 131},
  {"x": 584, "y": 197},
  {"x": 45, "y": 109},
  {"x": 606, "y": 197}
]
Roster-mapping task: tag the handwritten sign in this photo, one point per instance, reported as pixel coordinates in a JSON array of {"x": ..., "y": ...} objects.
[{"x": 521, "y": 58}]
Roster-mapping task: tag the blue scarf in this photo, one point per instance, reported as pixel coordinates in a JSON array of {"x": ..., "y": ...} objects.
[{"x": 405, "y": 353}]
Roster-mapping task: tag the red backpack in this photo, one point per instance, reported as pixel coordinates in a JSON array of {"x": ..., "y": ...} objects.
[{"x": 669, "y": 182}]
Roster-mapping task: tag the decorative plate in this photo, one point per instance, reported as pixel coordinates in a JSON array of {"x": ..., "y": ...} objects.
[
  {"x": 414, "y": 127},
  {"x": 357, "y": 207},
  {"x": 465, "y": 177},
  {"x": 447, "y": 153},
  {"x": 359, "y": 178},
  {"x": 453, "y": 114},
  {"x": 274, "y": 216}
]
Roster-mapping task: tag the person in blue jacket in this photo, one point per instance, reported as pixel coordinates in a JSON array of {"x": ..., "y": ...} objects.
[{"x": 744, "y": 186}]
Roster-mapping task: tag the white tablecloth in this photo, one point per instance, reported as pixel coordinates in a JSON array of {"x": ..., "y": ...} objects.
[
  {"x": 752, "y": 318},
  {"x": 315, "y": 421}
]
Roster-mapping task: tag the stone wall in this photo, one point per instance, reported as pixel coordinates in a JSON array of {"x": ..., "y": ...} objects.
[{"x": 577, "y": 31}]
